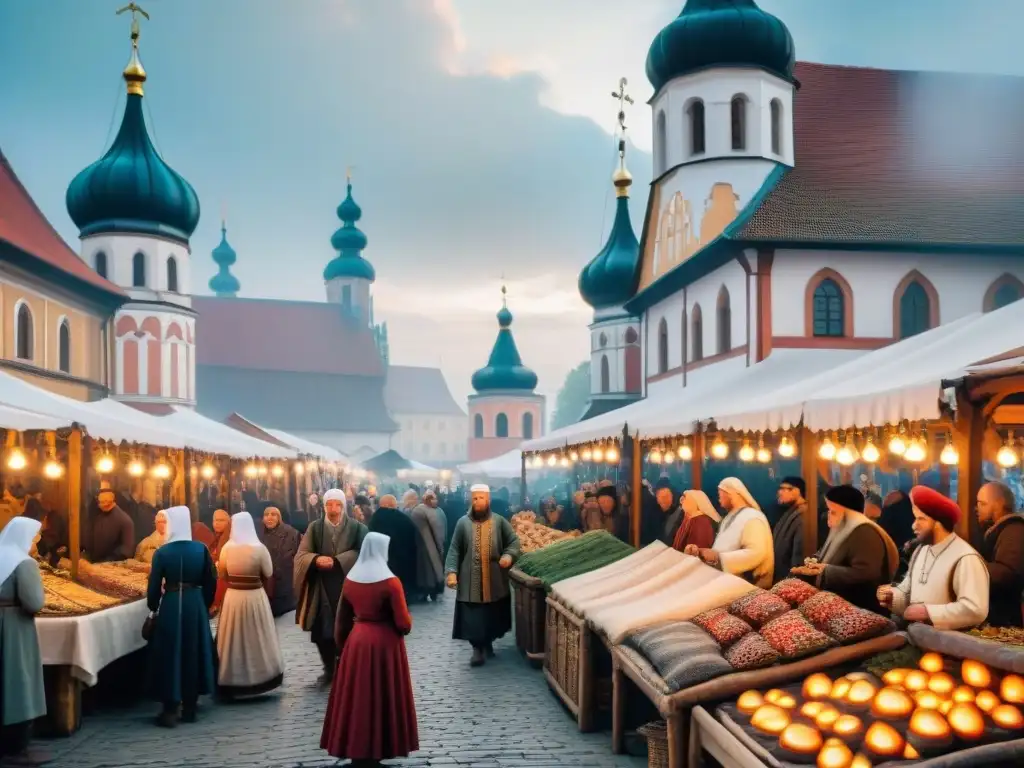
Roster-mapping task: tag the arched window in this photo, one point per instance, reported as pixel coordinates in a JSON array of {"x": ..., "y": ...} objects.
[
  {"x": 662, "y": 346},
  {"x": 602, "y": 340},
  {"x": 724, "y": 321},
  {"x": 829, "y": 309},
  {"x": 172, "y": 275},
  {"x": 776, "y": 117},
  {"x": 661, "y": 143},
  {"x": 738, "y": 114},
  {"x": 478, "y": 426},
  {"x": 696, "y": 333},
  {"x": 1005, "y": 290},
  {"x": 139, "y": 270},
  {"x": 915, "y": 310},
  {"x": 64, "y": 346},
  {"x": 695, "y": 115},
  {"x": 631, "y": 336},
  {"x": 682, "y": 337},
  {"x": 501, "y": 425},
  {"x": 101, "y": 263},
  {"x": 24, "y": 344},
  {"x": 606, "y": 376},
  {"x": 527, "y": 426}
]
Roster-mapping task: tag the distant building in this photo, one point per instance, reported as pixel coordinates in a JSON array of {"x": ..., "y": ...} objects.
[
  {"x": 433, "y": 428},
  {"x": 505, "y": 410}
]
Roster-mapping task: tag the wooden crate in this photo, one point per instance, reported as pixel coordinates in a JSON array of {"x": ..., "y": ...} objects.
[
  {"x": 531, "y": 609},
  {"x": 577, "y": 666}
]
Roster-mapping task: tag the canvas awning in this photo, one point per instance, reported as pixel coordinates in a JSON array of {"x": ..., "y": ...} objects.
[{"x": 507, "y": 465}]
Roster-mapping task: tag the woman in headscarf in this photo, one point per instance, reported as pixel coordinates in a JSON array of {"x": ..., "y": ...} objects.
[
  {"x": 149, "y": 545},
  {"x": 221, "y": 536},
  {"x": 22, "y": 698},
  {"x": 371, "y": 714},
  {"x": 247, "y": 646},
  {"x": 699, "y": 518},
  {"x": 858, "y": 556},
  {"x": 182, "y": 585},
  {"x": 282, "y": 541},
  {"x": 743, "y": 545}
]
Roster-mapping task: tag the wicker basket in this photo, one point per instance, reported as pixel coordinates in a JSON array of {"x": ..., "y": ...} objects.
[
  {"x": 657, "y": 743},
  {"x": 577, "y": 667},
  {"x": 531, "y": 607}
]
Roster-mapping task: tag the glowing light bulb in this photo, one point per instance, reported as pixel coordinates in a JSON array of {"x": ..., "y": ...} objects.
[
  {"x": 277, "y": 470},
  {"x": 787, "y": 449},
  {"x": 915, "y": 451},
  {"x": 719, "y": 448},
  {"x": 573, "y": 456},
  {"x": 827, "y": 450},
  {"x": 53, "y": 469},
  {"x": 898, "y": 445},
  {"x": 870, "y": 454},
  {"x": 746, "y": 452},
  {"x": 136, "y": 468},
  {"x": 654, "y": 456},
  {"x": 552, "y": 460},
  {"x": 208, "y": 471},
  {"x": 563, "y": 462},
  {"x": 764, "y": 456},
  {"x": 261, "y": 470},
  {"x": 105, "y": 464},
  {"x": 950, "y": 456},
  {"x": 299, "y": 467},
  {"x": 847, "y": 454},
  {"x": 1006, "y": 458},
  {"x": 669, "y": 457},
  {"x": 612, "y": 455},
  {"x": 685, "y": 452},
  {"x": 251, "y": 471},
  {"x": 161, "y": 471},
  {"x": 586, "y": 455},
  {"x": 598, "y": 454},
  {"x": 17, "y": 460}
]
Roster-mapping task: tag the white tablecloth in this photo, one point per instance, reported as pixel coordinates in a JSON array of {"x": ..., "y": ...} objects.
[{"x": 89, "y": 643}]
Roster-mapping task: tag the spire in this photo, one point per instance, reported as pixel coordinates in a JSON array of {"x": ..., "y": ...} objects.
[
  {"x": 224, "y": 284},
  {"x": 349, "y": 241},
  {"x": 134, "y": 75},
  {"x": 504, "y": 369}
]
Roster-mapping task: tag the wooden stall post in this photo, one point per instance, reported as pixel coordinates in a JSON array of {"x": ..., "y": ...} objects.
[
  {"x": 969, "y": 438},
  {"x": 179, "y": 494},
  {"x": 697, "y": 461},
  {"x": 522, "y": 479},
  {"x": 635, "y": 498},
  {"x": 75, "y": 498},
  {"x": 809, "y": 471}
]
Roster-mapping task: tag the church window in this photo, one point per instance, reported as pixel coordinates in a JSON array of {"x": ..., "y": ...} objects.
[
  {"x": 64, "y": 346},
  {"x": 697, "y": 333},
  {"x": 1004, "y": 291},
  {"x": 915, "y": 310},
  {"x": 776, "y": 117},
  {"x": 660, "y": 144},
  {"x": 738, "y": 114},
  {"x": 346, "y": 298},
  {"x": 139, "y": 270},
  {"x": 602, "y": 341},
  {"x": 829, "y": 309},
  {"x": 631, "y": 336},
  {"x": 662, "y": 346},
  {"x": 172, "y": 275},
  {"x": 606, "y": 377},
  {"x": 695, "y": 115},
  {"x": 101, "y": 263},
  {"x": 724, "y": 321},
  {"x": 501, "y": 425},
  {"x": 478, "y": 426},
  {"x": 527, "y": 426},
  {"x": 24, "y": 344}
]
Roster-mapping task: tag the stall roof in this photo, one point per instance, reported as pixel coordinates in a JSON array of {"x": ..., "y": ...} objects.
[
  {"x": 304, "y": 447},
  {"x": 190, "y": 422},
  {"x": 17, "y": 419},
  {"x": 506, "y": 465}
]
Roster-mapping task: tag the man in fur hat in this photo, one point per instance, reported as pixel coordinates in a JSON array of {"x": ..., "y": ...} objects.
[
  {"x": 483, "y": 548},
  {"x": 947, "y": 584}
]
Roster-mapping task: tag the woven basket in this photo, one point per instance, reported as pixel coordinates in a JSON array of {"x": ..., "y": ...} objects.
[
  {"x": 531, "y": 609},
  {"x": 565, "y": 634},
  {"x": 657, "y": 743}
]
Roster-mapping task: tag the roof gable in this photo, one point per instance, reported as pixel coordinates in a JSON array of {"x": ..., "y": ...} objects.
[{"x": 414, "y": 390}]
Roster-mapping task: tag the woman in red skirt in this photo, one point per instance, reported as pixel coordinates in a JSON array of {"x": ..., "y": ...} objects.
[{"x": 371, "y": 715}]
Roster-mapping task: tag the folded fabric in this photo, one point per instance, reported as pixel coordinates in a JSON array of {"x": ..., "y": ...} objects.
[
  {"x": 858, "y": 624},
  {"x": 666, "y": 568},
  {"x": 571, "y": 557},
  {"x": 682, "y": 653},
  {"x": 793, "y": 636},
  {"x": 759, "y": 607},
  {"x": 693, "y": 591},
  {"x": 794, "y": 591},
  {"x": 725, "y": 628},
  {"x": 751, "y": 652},
  {"x": 578, "y": 587}
]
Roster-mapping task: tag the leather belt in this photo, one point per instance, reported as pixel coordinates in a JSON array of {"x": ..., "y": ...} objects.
[
  {"x": 244, "y": 582},
  {"x": 179, "y": 587}
]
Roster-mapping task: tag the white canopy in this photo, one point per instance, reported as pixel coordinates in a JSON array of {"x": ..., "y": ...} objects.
[
  {"x": 241, "y": 445},
  {"x": 307, "y": 447},
  {"x": 507, "y": 465},
  {"x": 17, "y": 419}
]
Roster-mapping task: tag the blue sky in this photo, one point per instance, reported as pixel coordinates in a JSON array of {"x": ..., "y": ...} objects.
[{"x": 479, "y": 131}]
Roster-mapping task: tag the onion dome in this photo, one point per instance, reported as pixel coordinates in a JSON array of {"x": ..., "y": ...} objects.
[
  {"x": 131, "y": 188},
  {"x": 611, "y": 278},
  {"x": 504, "y": 369},
  {"x": 720, "y": 33},
  {"x": 224, "y": 283},
  {"x": 349, "y": 241}
]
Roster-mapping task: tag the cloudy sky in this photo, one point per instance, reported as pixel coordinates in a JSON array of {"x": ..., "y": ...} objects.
[{"x": 480, "y": 132}]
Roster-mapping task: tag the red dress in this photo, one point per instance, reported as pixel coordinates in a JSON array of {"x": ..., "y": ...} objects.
[{"x": 371, "y": 714}]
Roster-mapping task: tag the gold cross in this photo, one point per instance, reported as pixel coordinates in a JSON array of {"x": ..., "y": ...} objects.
[
  {"x": 348, "y": 174},
  {"x": 136, "y": 11},
  {"x": 623, "y": 99}
]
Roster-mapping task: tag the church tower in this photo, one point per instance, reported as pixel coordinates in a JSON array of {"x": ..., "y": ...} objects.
[
  {"x": 348, "y": 276},
  {"x": 224, "y": 284},
  {"x": 606, "y": 284},
  {"x": 135, "y": 216},
  {"x": 504, "y": 410}
]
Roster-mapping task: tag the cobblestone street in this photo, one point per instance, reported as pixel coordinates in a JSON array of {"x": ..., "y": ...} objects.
[{"x": 500, "y": 716}]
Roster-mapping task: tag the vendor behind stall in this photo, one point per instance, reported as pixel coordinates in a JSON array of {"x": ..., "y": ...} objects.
[
  {"x": 858, "y": 556},
  {"x": 1002, "y": 546},
  {"x": 788, "y": 531},
  {"x": 947, "y": 583},
  {"x": 111, "y": 534}
]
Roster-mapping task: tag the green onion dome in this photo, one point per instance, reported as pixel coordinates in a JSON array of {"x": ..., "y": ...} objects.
[
  {"x": 504, "y": 369},
  {"x": 349, "y": 241}
]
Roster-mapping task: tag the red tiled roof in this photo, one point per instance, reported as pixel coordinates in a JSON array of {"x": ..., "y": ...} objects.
[
  {"x": 900, "y": 157},
  {"x": 25, "y": 227},
  {"x": 272, "y": 335}
]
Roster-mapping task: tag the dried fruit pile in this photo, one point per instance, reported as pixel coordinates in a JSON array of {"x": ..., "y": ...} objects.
[
  {"x": 66, "y": 598},
  {"x": 533, "y": 535},
  {"x": 1005, "y": 635},
  {"x": 115, "y": 580}
]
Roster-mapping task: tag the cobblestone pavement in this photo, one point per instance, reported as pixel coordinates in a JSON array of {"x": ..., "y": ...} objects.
[{"x": 500, "y": 716}]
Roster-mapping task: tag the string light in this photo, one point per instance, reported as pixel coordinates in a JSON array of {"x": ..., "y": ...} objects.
[
  {"x": 586, "y": 455},
  {"x": 1007, "y": 456},
  {"x": 787, "y": 449},
  {"x": 250, "y": 470},
  {"x": 105, "y": 464},
  {"x": 764, "y": 456},
  {"x": 208, "y": 471},
  {"x": 16, "y": 460},
  {"x": 612, "y": 455},
  {"x": 573, "y": 456},
  {"x": 950, "y": 456},
  {"x": 262, "y": 470},
  {"x": 53, "y": 469},
  {"x": 719, "y": 448},
  {"x": 870, "y": 454},
  {"x": 669, "y": 457},
  {"x": 915, "y": 452},
  {"x": 655, "y": 456},
  {"x": 898, "y": 445},
  {"x": 136, "y": 468},
  {"x": 564, "y": 461},
  {"x": 161, "y": 471},
  {"x": 847, "y": 453},
  {"x": 193, "y": 470},
  {"x": 685, "y": 452},
  {"x": 746, "y": 452},
  {"x": 552, "y": 460},
  {"x": 598, "y": 453},
  {"x": 299, "y": 467},
  {"x": 277, "y": 470},
  {"x": 311, "y": 466},
  {"x": 827, "y": 450}
]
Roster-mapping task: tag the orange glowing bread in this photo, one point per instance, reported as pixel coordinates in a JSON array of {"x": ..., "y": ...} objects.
[
  {"x": 963, "y": 693},
  {"x": 848, "y": 727},
  {"x": 892, "y": 704},
  {"x": 835, "y": 754},
  {"x": 840, "y": 688},
  {"x": 931, "y": 662},
  {"x": 883, "y": 740},
  {"x": 975, "y": 674},
  {"x": 770, "y": 719},
  {"x": 826, "y": 718},
  {"x": 916, "y": 680},
  {"x": 941, "y": 683},
  {"x": 812, "y": 709},
  {"x": 817, "y": 686},
  {"x": 930, "y": 726},
  {"x": 895, "y": 676},
  {"x": 749, "y": 701},
  {"x": 1007, "y": 717},
  {"x": 1011, "y": 690},
  {"x": 986, "y": 701},
  {"x": 927, "y": 699},
  {"x": 860, "y": 694},
  {"x": 860, "y": 761},
  {"x": 966, "y": 721},
  {"x": 801, "y": 739}
]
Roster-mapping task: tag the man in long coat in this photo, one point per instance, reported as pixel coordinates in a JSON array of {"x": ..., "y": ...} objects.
[
  {"x": 402, "y": 552},
  {"x": 429, "y": 547},
  {"x": 483, "y": 548},
  {"x": 328, "y": 550}
]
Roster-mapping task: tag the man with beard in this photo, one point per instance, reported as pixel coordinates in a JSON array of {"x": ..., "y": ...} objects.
[
  {"x": 601, "y": 515},
  {"x": 483, "y": 548},
  {"x": 111, "y": 534},
  {"x": 947, "y": 584},
  {"x": 788, "y": 533},
  {"x": 329, "y": 549},
  {"x": 1002, "y": 547}
]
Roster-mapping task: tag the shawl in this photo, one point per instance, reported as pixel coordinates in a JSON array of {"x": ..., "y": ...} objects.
[
  {"x": 179, "y": 524},
  {"x": 243, "y": 530},
  {"x": 744, "y": 545},
  {"x": 852, "y": 521},
  {"x": 735, "y": 487},
  {"x": 431, "y": 534},
  {"x": 372, "y": 565},
  {"x": 581, "y": 586},
  {"x": 201, "y": 532},
  {"x": 403, "y": 534}
]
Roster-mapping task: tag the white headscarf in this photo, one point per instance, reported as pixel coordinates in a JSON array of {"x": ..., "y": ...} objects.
[
  {"x": 372, "y": 565},
  {"x": 704, "y": 505},
  {"x": 15, "y": 543},
  {"x": 179, "y": 524},
  {"x": 735, "y": 487},
  {"x": 336, "y": 494},
  {"x": 243, "y": 530}
]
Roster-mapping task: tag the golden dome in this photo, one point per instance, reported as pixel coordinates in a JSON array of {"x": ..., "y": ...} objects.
[{"x": 134, "y": 74}]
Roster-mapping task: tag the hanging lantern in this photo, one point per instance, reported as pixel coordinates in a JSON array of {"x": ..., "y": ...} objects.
[
  {"x": 552, "y": 460},
  {"x": 162, "y": 471},
  {"x": 1007, "y": 456},
  {"x": 746, "y": 452},
  {"x": 764, "y": 456},
  {"x": 53, "y": 469},
  {"x": 916, "y": 451},
  {"x": 136, "y": 468},
  {"x": 847, "y": 453},
  {"x": 209, "y": 471},
  {"x": 251, "y": 470},
  {"x": 299, "y": 467},
  {"x": 612, "y": 455},
  {"x": 105, "y": 464},
  {"x": 870, "y": 454},
  {"x": 827, "y": 449},
  {"x": 598, "y": 453},
  {"x": 277, "y": 470},
  {"x": 563, "y": 462},
  {"x": 655, "y": 456},
  {"x": 685, "y": 452},
  {"x": 787, "y": 448},
  {"x": 573, "y": 456},
  {"x": 261, "y": 470},
  {"x": 719, "y": 448},
  {"x": 587, "y": 454},
  {"x": 16, "y": 460},
  {"x": 669, "y": 457},
  {"x": 950, "y": 456},
  {"x": 898, "y": 444},
  {"x": 193, "y": 470}
]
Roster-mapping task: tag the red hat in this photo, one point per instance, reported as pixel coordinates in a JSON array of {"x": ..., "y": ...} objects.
[{"x": 936, "y": 506}]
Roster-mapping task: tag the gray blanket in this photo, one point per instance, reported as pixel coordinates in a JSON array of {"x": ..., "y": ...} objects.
[{"x": 682, "y": 653}]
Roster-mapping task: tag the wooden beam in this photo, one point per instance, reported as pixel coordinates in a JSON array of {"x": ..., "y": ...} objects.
[
  {"x": 522, "y": 480},
  {"x": 697, "y": 462},
  {"x": 809, "y": 472},
  {"x": 968, "y": 437},
  {"x": 75, "y": 499},
  {"x": 1006, "y": 385},
  {"x": 636, "y": 488}
]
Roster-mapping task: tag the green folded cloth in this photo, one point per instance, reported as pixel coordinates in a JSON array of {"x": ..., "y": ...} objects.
[{"x": 571, "y": 557}]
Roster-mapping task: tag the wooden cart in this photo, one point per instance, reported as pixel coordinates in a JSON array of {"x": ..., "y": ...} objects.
[
  {"x": 677, "y": 707},
  {"x": 531, "y": 609}
]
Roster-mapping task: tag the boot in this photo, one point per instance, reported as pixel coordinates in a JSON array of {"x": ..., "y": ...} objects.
[
  {"x": 188, "y": 712},
  {"x": 477, "y": 659},
  {"x": 489, "y": 650},
  {"x": 168, "y": 718}
]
